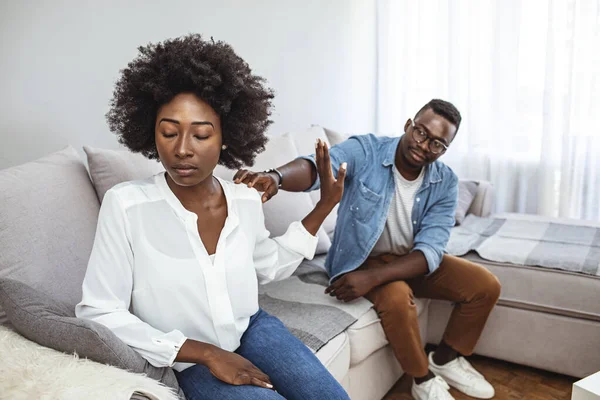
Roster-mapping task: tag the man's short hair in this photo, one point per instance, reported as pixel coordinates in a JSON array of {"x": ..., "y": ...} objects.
[{"x": 445, "y": 109}]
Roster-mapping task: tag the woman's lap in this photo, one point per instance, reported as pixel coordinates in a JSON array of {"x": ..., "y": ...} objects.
[
  {"x": 293, "y": 369},
  {"x": 198, "y": 383}
]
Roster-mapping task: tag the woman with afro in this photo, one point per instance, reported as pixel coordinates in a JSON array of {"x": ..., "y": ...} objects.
[{"x": 178, "y": 257}]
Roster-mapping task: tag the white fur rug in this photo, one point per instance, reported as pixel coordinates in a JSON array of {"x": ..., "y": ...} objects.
[{"x": 31, "y": 371}]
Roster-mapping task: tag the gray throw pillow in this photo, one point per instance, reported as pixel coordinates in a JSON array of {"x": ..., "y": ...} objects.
[
  {"x": 111, "y": 167},
  {"x": 467, "y": 190},
  {"x": 48, "y": 217},
  {"x": 53, "y": 324}
]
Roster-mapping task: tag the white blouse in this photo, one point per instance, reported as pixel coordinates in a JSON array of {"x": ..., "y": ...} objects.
[{"x": 151, "y": 281}]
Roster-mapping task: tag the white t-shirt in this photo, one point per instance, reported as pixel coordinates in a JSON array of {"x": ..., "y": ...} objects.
[
  {"x": 151, "y": 281},
  {"x": 398, "y": 236}
]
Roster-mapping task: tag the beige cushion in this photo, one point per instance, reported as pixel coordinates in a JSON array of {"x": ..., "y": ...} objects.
[
  {"x": 374, "y": 377},
  {"x": 335, "y": 356},
  {"x": 48, "y": 216},
  {"x": 335, "y": 137},
  {"x": 467, "y": 190},
  {"x": 111, "y": 167},
  {"x": 483, "y": 203},
  {"x": 367, "y": 335},
  {"x": 547, "y": 341},
  {"x": 545, "y": 289},
  {"x": 286, "y": 207}
]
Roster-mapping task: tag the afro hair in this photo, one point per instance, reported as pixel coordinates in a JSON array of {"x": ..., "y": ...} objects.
[{"x": 213, "y": 72}]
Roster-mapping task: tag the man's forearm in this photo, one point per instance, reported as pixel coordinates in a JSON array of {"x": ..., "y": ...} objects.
[
  {"x": 298, "y": 175},
  {"x": 403, "y": 268}
]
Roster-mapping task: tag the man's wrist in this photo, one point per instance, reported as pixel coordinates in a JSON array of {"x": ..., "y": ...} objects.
[
  {"x": 276, "y": 174},
  {"x": 375, "y": 277}
]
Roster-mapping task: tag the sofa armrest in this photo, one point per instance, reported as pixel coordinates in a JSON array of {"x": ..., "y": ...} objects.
[{"x": 483, "y": 203}]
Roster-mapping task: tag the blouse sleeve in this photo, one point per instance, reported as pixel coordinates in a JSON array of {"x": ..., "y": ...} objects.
[{"x": 108, "y": 284}]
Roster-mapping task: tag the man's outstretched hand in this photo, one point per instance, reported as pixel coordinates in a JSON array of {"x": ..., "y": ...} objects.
[{"x": 266, "y": 182}]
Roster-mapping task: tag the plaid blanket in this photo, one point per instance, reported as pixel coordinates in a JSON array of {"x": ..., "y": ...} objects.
[
  {"x": 529, "y": 242},
  {"x": 301, "y": 304}
]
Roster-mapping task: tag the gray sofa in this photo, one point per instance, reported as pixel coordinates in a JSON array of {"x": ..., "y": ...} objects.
[
  {"x": 545, "y": 318},
  {"x": 48, "y": 211}
]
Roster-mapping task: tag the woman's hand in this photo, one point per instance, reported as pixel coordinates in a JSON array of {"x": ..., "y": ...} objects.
[
  {"x": 236, "y": 370},
  {"x": 332, "y": 189}
]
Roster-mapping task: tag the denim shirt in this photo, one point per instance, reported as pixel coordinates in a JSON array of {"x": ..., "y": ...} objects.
[{"x": 369, "y": 189}]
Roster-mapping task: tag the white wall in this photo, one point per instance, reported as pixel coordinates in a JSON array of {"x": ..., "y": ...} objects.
[{"x": 60, "y": 60}]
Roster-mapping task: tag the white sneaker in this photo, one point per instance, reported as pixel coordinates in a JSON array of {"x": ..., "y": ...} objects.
[
  {"x": 433, "y": 389},
  {"x": 462, "y": 376}
]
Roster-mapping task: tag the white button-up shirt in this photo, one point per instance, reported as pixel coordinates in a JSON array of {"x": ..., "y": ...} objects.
[{"x": 152, "y": 282}]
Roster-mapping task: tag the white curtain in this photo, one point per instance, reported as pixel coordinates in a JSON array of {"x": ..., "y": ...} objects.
[{"x": 525, "y": 76}]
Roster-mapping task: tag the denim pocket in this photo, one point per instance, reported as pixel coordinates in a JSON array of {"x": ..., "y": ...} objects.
[{"x": 365, "y": 203}]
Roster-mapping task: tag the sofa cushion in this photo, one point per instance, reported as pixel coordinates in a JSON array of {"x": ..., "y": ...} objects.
[
  {"x": 305, "y": 144},
  {"x": 466, "y": 194},
  {"x": 286, "y": 207},
  {"x": 53, "y": 324},
  {"x": 367, "y": 335},
  {"x": 546, "y": 290},
  {"x": 335, "y": 356},
  {"x": 335, "y": 137},
  {"x": 111, "y": 167},
  {"x": 48, "y": 216},
  {"x": 483, "y": 203}
]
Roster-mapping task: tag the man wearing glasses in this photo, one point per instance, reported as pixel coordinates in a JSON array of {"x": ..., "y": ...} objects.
[{"x": 393, "y": 225}]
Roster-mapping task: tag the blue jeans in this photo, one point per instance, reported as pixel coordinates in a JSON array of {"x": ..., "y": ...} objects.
[{"x": 294, "y": 370}]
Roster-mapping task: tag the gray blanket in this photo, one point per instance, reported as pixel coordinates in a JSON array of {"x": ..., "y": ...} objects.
[
  {"x": 301, "y": 304},
  {"x": 526, "y": 242}
]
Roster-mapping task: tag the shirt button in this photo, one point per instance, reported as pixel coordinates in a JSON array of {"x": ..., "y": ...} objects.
[
  {"x": 414, "y": 222},
  {"x": 418, "y": 199}
]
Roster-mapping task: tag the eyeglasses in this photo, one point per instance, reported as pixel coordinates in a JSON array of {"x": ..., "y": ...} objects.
[{"x": 435, "y": 145}]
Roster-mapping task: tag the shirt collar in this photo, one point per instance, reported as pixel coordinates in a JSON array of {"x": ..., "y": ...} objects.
[
  {"x": 432, "y": 174},
  {"x": 390, "y": 156},
  {"x": 232, "y": 219}
]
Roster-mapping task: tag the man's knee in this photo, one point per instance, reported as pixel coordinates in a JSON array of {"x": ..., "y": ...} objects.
[
  {"x": 493, "y": 287},
  {"x": 489, "y": 288},
  {"x": 394, "y": 297}
]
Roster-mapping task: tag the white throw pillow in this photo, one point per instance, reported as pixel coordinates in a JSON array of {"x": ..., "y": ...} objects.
[
  {"x": 336, "y": 137},
  {"x": 305, "y": 143}
]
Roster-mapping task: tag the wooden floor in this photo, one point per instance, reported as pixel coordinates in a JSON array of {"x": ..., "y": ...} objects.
[{"x": 511, "y": 382}]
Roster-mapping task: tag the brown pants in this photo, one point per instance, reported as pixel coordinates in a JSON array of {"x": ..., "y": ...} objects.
[{"x": 472, "y": 288}]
